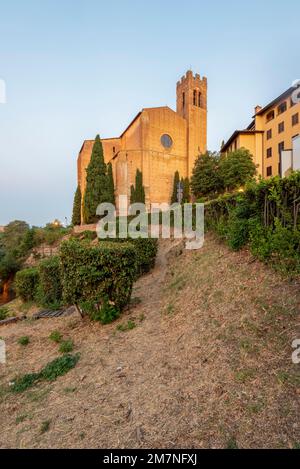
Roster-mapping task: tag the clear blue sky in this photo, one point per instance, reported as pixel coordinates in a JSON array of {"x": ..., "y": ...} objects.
[{"x": 76, "y": 68}]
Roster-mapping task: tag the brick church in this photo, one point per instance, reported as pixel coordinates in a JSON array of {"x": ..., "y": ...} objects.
[{"x": 159, "y": 141}]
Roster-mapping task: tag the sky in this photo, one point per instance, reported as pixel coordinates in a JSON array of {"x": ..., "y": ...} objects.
[{"x": 73, "y": 69}]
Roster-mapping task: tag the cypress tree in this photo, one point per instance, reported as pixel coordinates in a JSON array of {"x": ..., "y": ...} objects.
[
  {"x": 132, "y": 194},
  {"x": 186, "y": 190},
  {"x": 96, "y": 183},
  {"x": 139, "y": 188},
  {"x": 143, "y": 196},
  {"x": 111, "y": 187},
  {"x": 76, "y": 216},
  {"x": 174, "y": 197},
  {"x": 137, "y": 193}
]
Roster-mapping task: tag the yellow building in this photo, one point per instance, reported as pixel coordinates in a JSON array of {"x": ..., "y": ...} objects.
[
  {"x": 159, "y": 141},
  {"x": 271, "y": 136}
]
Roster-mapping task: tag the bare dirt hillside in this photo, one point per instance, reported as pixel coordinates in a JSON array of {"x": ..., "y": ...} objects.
[{"x": 204, "y": 361}]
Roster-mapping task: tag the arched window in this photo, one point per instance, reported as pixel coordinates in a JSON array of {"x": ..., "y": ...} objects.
[
  {"x": 195, "y": 98},
  {"x": 199, "y": 99}
]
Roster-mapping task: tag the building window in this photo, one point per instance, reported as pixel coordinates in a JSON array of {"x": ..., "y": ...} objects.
[
  {"x": 166, "y": 141},
  {"x": 269, "y": 170},
  {"x": 269, "y": 134},
  {"x": 269, "y": 152},
  {"x": 114, "y": 150},
  {"x": 199, "y": 99},
  {"x": 280, "y": 147},
  {"x": 295, "y": 119},
  {"x": 270, "y": 116},
  {"x": 282, "y": 108},
  {"x": 195, "y": 97},
  {"x": 281, "y": 127},
  {"x": 183, "y": 99}
]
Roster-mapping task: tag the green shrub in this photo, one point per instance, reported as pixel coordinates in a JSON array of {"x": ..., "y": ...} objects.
[
  {"x": 9, "y": 264},
  {"x": 24, "y": 382},
  {"x": 89, "y": 235},
  {"x": 259, "y": 240},
  {"x": 145, "y": 249},
  {"x": 286, "y": 242},
  {"x": 221, "y": 228},
  {"x": 237, "y": 233},
  {"x": 26, "y": 283},
  {"x": 23, "y": 340},
  {"x": 280, "y": 246},
  {"x": 66, "y": 346},
  {"x": 127, "y": 326},
  {"x": 231, "y": 443},
  {"x": 237, "y": 223},
  {"x": 266, "y": 217},
  {"x": 52, "y": 235},
  {"x": 55, "y": 336},
  {"x": 4, "y": 313},
  {"x": 92, "y": 275},
  {"x": 49, "y": 292},
  {"x": 58, "y": 367},
  {"x": 45, "y": 426},
  {"x": 218, "y": 210},
  {"x": 105, "y": 314}
]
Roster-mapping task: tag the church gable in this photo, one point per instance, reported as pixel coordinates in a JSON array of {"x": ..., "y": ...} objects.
[
  {"x": 164, "y": 131},
  {"x": 131, "y": 138}
]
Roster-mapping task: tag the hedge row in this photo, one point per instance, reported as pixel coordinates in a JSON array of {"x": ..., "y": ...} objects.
[
  {"x": 97, "y": 278},
  {"x": 266, "y": 217},
  {"x": 49, "y": 291},
  {"x": 145, "y": 252},
  {"x": 26, "y": 283},
  {"x": 41, "y": 284},
  {"x": 145, "y": 249},
  {"x": 95, "y": 275}
]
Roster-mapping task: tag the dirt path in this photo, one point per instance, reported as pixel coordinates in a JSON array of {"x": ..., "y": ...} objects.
[{"x": 208, "y": 363}]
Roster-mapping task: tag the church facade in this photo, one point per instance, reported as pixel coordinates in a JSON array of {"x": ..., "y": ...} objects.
[{"x": 159, "y": 141}]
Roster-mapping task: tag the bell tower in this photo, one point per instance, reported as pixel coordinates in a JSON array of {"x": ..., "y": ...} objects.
[{"x": 191, "y": 104}]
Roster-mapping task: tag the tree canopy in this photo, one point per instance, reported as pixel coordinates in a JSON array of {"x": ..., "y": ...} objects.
[
  {"x": 206, "y": 180},
  {"x": 12, "y": 247},
  {"x": 214, "y": 173},
  {"x": 237, "y": 168}
]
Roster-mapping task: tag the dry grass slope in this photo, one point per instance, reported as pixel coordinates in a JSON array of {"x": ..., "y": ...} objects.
[{"x": 201, "y": 359}]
